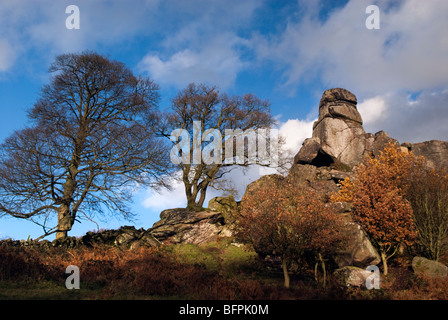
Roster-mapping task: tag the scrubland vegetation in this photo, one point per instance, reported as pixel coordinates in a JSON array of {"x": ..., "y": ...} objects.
[{"x": 217, "y": 270}]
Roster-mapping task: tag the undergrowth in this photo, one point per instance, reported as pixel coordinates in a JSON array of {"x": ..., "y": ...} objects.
[{"x": 213, "y": 271}]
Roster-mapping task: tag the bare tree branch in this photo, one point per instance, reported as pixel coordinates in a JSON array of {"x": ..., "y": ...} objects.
[{"x": 91, "y": 140}]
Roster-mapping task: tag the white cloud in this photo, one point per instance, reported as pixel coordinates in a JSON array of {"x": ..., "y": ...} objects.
[
  {"x": 217, "y": 62},
  {"x": 6, "y": 55},
  {"x": 39, "y": 26},
  {"x": 414, "y": 120},
  {"x": 202, "y": 43},
  {"x": 295, "y": 131},
  {"x": 165, "y": 199},
  {"x": 372, "y": 110},
  {"x": 409, "y": 51}
]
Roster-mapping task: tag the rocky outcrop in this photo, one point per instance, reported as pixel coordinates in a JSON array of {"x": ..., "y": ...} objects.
[
  {"x": 181, "y": 225},
  {"x": 338, "y": 135},
  {"x": 227, "y": 206}
]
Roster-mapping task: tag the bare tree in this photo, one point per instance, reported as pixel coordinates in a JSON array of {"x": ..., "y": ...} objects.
[
  {"x": 91, "y": 141},
  {"x": 200, "y": 111}
]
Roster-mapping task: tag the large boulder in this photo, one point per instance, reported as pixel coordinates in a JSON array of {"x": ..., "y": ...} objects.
[
  {"x": 350, "y": 276},
  {"x": 181, "y": 225},
  {"x": 358, "y": 251},
  {"x": 227, "y": 206},
  {"x": 430, "y": 268}
]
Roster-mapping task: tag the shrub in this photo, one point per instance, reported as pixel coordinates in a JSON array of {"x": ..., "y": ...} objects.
[
  {"x": 20, "y": 263},
  {"x": 289, "y": 222},
  {"x": 428, "y": 195}
]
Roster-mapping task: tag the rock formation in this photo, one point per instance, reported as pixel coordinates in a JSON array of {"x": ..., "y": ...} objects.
[
  {"x": 434, "y": 151},
  {"x": 227, "y": 206},
  {"x": 338, "y": 135},
  {"x": 181, "y": 225},
  {"x": 339, "y": 138}
]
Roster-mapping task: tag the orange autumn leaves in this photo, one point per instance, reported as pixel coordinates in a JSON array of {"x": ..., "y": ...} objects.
[
  {"x": 289, "y": 221},
  {"x": 377, "y": 194}
]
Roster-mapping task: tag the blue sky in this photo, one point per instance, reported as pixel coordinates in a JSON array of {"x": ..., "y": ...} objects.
[{"x": 286, "y": 51}]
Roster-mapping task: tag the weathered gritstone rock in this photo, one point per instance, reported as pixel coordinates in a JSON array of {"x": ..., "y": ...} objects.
[
  {"x": 181, "y": 225},
  {"x": 227, "y": 206},
  {"x": 350, "y": 276},
  {"x": 429, "y": 268},
  {"x": 338, "y": 135},
  {"x": 359, "y": 251}
]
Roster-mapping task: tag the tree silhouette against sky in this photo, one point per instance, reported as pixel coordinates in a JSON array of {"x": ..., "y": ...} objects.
[{"x": 90, "y": 142}]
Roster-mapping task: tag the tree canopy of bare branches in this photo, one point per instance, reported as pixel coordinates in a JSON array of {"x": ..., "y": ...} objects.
[
  {"x": 90, "y": 142},
  {"x": 203, "y": 108}
]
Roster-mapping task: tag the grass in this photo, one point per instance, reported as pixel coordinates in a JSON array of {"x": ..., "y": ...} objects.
[
  {"x": 42, "y": 290},
  {"x": 218, "y": 270},
  {"x": 224, "y": 257}
]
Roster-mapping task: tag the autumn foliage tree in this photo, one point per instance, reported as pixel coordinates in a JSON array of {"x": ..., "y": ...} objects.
[
  {"x": 377, "y": 193},
  {"x": 281, "y": 219}
]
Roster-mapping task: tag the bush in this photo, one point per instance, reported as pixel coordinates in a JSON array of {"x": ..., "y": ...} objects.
[
  {"x": 428, "y": 195},
  {"x": 290, "y": 223},
  {"x": 20, "y": 263}
]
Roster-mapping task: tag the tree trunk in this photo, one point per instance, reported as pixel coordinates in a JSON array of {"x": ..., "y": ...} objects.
[
  {"x": 285, "y": 272},
  {"x": 201, "y": 200},
  {"x": 191, "y": 204},
  {"x": 191, "y": 199},
  {"x": 324, "y": 270},
  {"x": 384, "y": 261},
  {"x": 65, "y": 217},
  {"x": 65, "y": 222}
]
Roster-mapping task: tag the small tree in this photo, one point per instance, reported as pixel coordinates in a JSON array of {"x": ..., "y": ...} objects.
[
  {"x": 377, "y": 195},
  {"x": 280, "y": 219},
  {"x": 428, "y": 195},
  {"x": 90, "y": 142}
]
